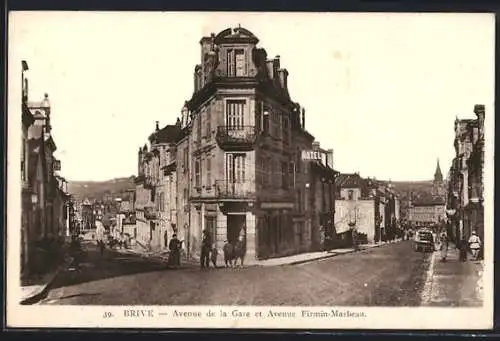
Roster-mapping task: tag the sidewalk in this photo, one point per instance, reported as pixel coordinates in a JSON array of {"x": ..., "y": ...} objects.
[
  {"x": 162, "y": 256},
  {"x": 453, "y": 283},
  {"x": 314, "y": 256},
  {"x": 32, "y": 290}
]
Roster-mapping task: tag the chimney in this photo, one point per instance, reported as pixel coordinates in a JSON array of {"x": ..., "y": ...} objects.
[
  {"x": 329, "y": 158},
  {"x": 479, "y": 111},
  {"x": 157, "y": 125},
  {"x": 283, "y": 75},
  {"x": 315, "y": 145},
  {"x": 270, "y": 68},
  {"x": 303, "y": 118}
]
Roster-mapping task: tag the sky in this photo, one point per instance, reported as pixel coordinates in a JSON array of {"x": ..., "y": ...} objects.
[{"x": 382, "y": 90}]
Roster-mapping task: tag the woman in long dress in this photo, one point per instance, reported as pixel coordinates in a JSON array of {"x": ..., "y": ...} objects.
[{"x": 443, "y": 246}]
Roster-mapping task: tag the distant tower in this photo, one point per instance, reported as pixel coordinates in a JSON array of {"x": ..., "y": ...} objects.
[{"x": 438, "y": 183}]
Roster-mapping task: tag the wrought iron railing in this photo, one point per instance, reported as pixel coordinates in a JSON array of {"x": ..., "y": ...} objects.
[
  {"x": 236, "y": 135},
  {"x": 235, "y": 189}
]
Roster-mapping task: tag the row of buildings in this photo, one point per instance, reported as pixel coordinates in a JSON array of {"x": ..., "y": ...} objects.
[
  {"x": 428, "y": 208},
  {"x": 239, "y": 162},
  {"x": 46, "y": 204},
  {"x": 464, "y": 205}
]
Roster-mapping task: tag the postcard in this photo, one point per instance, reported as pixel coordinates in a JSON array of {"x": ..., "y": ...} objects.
[{"x": 250, "y": 170}]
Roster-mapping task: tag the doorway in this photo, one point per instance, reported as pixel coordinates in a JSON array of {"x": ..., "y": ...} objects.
[{"x": 236, "y": 226}]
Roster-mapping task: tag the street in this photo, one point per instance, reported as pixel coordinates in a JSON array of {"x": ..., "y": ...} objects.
[{"x": 390, "y": 275}]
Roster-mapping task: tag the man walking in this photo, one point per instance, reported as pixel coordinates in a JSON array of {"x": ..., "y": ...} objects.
[{"x": 206, "y": 246}]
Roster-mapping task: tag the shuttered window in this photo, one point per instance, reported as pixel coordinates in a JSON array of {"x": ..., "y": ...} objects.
[{"x": 235, "y": 113}]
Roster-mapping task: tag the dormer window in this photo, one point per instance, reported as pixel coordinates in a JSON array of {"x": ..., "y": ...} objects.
[{"x": 236, "y": 63}]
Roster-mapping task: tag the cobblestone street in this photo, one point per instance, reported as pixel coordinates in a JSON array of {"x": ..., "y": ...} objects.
[{"x": 391, "y": 275}]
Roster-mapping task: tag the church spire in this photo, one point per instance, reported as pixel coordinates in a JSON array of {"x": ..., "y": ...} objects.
[{"x": 438, "y": 176}]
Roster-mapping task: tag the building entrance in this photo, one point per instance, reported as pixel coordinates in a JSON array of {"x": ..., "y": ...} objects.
[{"x": 236, "y": 226}]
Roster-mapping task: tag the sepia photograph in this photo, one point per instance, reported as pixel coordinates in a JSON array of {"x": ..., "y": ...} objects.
[{"x": 250, "y": 170}]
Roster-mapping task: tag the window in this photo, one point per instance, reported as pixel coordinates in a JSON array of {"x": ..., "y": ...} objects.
[
  {"x": 185, "y": 196},
  {"x": 186, "y": 160},
  {"x": 235, "y": 167},
  {"x": 270, "y": 170},
  {"x": 236, "y": 63},
  {"x": 198, "y": 127},
  {"x": 208, "y": 126},
  {"x": 285, "y": 134},
  {"x": 299, "y": 200},
  {"x": 291, "y": 172},
  {"x": 235, "y": 113},
  {"x": 350, "y": 195},
  {"x": 197, "y": 173},
  {"x": 208, "y": 169},
  {"x": 284, "y": 175},
  {"x": 265, "y": 122},
  {"x": 23, "y": 161}
]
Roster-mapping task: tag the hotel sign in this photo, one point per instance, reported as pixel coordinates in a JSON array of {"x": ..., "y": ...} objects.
[{"x": 311, "y": 155}]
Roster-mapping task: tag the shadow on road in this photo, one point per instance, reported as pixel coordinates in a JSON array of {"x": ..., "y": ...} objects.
[{"x": 111, "y": 264}]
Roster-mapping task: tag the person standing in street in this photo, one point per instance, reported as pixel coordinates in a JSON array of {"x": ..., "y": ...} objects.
[
  {"x": 99, "y": 231},
  {"x": 214, "y": 255},
  {"x": 206, "y": 246},
  {"x": 355, "y": 243},
  {"x": 474, "y": 245},
  {"x": 174, "y": 246},
  {"x": 443, "y": 246},
  {"x": 462, "y": 249}
]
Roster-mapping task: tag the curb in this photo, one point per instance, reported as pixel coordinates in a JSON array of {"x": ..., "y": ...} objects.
[
  {"x": 34, "y": 298},
  {"x": 333, "y": 254}
]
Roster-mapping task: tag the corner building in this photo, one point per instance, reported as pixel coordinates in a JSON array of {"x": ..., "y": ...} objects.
[{"x": 246, "y": 176}]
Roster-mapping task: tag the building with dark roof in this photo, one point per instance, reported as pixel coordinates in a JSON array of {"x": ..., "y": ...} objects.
[
  {"x": 236, "y": 167},
  {"x": 369, "y": 206}
]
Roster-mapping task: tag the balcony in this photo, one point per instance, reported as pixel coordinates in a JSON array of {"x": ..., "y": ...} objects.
[
  {"x": 240, "y": 138},
  {"x": 235, "y": 190}
]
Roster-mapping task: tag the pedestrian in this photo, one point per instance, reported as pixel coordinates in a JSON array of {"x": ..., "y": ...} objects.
[
  {"x": 355, "y": 239},
  {"x": 214, "y": 255},
  {"x": 474, "y": 245},
  {"x": 174, "y": 246},
  {"x": 443, "y": 246},
  {"x": 100, "y": 236},
  {"x": 75, "y": 249},
  {"x": 462, "y": 249},
  {"x": 165, "y": 238},
  {"x": 206, "y": 246}
]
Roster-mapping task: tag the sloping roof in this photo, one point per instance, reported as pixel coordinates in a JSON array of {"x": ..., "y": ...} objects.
[
  {"x": 427, "y": 199},
  {"x": 168, "y": 134},
  {"x": 346, "y": 180}
]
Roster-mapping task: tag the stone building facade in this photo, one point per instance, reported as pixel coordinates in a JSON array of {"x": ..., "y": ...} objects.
[
  {"x": 45, "y": 200},
  {"x": 370, "y": 206},
  {"x": 464, "y": 204},
  {"x": 238, "y": 170}
]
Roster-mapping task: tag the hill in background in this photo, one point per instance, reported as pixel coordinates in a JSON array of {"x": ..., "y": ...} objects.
[{"x": 100, "y": 190}]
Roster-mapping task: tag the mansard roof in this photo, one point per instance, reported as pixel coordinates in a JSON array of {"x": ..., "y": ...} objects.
[
  {"x": 168, "y": 134},
  {"x": 236, "y": 35}
]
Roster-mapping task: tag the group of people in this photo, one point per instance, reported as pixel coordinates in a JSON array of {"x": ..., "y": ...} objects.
[
  {"x": 473, "y": 244},
  {"x": 209, "y": 252}
]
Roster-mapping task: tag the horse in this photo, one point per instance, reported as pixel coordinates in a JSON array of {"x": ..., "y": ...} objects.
[{"x": 233, "y": 252}]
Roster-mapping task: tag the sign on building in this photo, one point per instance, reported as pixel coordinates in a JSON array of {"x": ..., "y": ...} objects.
[{"x": 311, "y": 155}]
